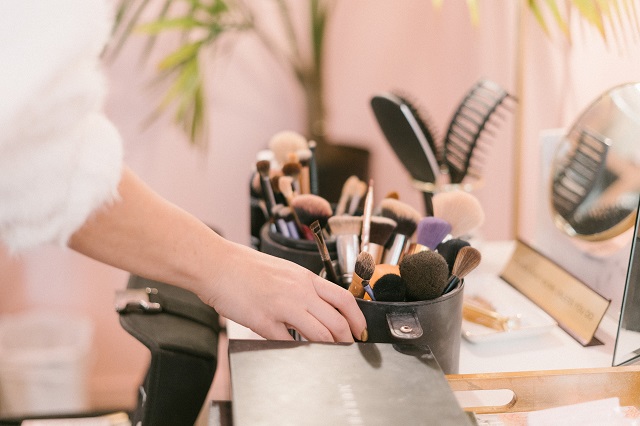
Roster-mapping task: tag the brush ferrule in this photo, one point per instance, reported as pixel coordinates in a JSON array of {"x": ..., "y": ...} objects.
[
  {"x": 414, "y": 248},
  {"x": 376, "y": 251},
  {"x": 347, "y": 246},
  {"x": 396, "y": 250},
  {"x": 356, "y": 288}
]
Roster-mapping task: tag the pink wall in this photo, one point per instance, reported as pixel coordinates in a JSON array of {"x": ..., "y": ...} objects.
[{"x": 434, "y": 56}]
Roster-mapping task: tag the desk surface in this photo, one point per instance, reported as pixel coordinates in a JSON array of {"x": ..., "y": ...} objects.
[{"x": 552, "y": 350}]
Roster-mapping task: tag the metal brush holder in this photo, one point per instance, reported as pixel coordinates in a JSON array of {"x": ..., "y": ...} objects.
[
  {"x": 303, "y": 252},
  {"x": 436, "y": 323}
]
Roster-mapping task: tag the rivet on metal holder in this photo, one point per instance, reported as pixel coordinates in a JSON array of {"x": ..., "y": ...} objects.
[{"x": 406, "y": 329}]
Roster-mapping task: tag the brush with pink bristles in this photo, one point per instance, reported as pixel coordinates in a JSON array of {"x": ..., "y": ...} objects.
[{"x": 461, "y": 209}]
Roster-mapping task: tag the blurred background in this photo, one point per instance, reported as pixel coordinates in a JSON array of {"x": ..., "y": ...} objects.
[{"x": 433, "y": 54}]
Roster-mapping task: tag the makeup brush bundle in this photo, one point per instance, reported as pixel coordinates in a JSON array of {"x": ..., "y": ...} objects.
[{"x": 456, "y": 158}]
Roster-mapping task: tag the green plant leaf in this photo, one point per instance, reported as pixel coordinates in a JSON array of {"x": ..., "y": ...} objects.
[
  {"x": 180, "y": 56},
  {"x": 183, "y": 23},
  {"x": 591, "y": 12}
]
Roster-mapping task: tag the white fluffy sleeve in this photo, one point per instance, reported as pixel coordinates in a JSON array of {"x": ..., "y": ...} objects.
[{"x": 60, "y": 158}]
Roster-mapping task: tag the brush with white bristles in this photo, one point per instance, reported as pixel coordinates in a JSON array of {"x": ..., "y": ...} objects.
[
  {"x": 360, "y": 191},
  {"x": 461, "y": 209},
  {"x": 285, "y": 142},
  {"x": 349, "y": 187},
  {"x": 346, "y": 230}
]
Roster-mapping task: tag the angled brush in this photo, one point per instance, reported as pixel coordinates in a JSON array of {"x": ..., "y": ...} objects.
[
  {"x": 468, "y": 124},
  {"x": 467, "y": 260}
]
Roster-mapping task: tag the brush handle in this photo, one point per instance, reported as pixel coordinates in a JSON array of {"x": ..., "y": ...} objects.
[
  {"x": 453, "y": 283},
  {"x": 324, "y": 253},
  {"x": 395, "y": 251},
  {"x": 366, "y": 218},
  {"x": 428, "y": 203},
  {"x": 313, "y": 169},
  {"x": 267, "y": 194}
]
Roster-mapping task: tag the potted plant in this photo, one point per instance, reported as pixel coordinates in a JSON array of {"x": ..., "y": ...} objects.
[{"x": 203, "y": 25}]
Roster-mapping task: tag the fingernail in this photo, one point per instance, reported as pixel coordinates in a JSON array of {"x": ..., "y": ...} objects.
[{"x": 364, "y": 336}]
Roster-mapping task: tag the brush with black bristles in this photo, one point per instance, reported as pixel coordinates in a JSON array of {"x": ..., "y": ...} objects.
[
  {"x": 363, "y": 272},
  {"x": 430, "y": 232},
  {"x": 406, "y": 218},
  {"x": 390, "y": 288},
  {"x": 467, "y": 260},
  {"x": 461, "y": 209},
  {"x": 263, "y": 167},
  {"x": 310, "y": 208},
  {"x": 379, "y": 234},
  {"x": 426, "y": 274},
  {"x": 346, "y": 230},
  {"x": 449, "y": 250},
  {"x": 349, "y": 187}
]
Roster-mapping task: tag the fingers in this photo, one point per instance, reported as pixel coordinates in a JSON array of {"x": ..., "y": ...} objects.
[
  {"x": 275, "y": 331},
  {"x": 344, "y": 302}
]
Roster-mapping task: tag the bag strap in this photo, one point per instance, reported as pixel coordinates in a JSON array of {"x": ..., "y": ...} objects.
[{"x": 150, "y": 297}]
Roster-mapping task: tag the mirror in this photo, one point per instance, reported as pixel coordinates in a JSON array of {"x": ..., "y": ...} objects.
[
  {"x": 627, "y": 347},
  {"x": 595, "y": 178}
]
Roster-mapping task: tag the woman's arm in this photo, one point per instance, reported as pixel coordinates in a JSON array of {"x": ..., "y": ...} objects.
[{"x": 144, "y": 234}]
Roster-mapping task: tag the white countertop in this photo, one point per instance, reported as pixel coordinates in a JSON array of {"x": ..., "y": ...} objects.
[{"x": 550, "y": 350}]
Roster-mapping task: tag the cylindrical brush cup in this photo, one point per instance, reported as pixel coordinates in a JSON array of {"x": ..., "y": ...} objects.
[
  {"x": 435, "y": 323},
  {"x": 303, "y": 252}
]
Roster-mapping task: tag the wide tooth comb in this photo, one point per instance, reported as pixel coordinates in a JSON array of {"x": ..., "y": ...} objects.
[{"x": 469, "y": 123}]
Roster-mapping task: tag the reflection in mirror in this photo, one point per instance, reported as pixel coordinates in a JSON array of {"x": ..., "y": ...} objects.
[
  {"x": 596, "y": 172},
  {"x": 627, "y": 347}
]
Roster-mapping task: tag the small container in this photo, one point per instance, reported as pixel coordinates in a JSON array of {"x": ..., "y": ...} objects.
[
  {"x": 436, "y": 323},
  {"x": 300, "y": 251}
]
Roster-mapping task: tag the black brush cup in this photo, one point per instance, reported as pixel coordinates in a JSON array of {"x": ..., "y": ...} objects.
[
  {"x": 303, "y": 252},
  {"x": 436, "y": 323}
]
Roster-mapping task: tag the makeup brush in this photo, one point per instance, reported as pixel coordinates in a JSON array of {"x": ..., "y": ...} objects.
[
  {"x": 346, "y": 230},
  {"x": 366, "y": 218},
  {"x": 313, "y": 168},
  {"x": 281, "y": 224},
  {"x": 304, "y": 157},
  {"x": 381, "y": 230},
  {"x": 324, "y": 252},
  {"x": 426, "y": 275},
  {"x": 449, "y": 250},
  {"x": 359, "y": 191},
  {"x": 406, "y": 218},
  {"x": 466, "y": 261},
  {"x": 383, "y": 269},
  {"x": 430, "y": 232},
  {"x": 289, "y": 218},
  {"x": 285, "y": 184},
  {"x": 362, "y": 274},
  {"x": 349, "y": 187},
  {"x": 292, "y": 169},
  {"x": 390, "y": 288},
  {"x": 285, "y": 142},
  {"x": 263, "y": 167},
  {"x": 461, "y": 209},
  {"x": 310, "y": 208}
]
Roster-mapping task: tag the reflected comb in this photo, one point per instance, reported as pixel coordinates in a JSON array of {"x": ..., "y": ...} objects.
[
  {"x": 469, "y": 123},
  {"x": 578, "y": 176}
]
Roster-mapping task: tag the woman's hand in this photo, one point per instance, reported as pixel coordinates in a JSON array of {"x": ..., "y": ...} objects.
[{"x": 268, "y": 295}]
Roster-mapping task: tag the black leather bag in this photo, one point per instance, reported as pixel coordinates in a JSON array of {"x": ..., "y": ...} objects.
[{"x": 181, "y": 333}]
